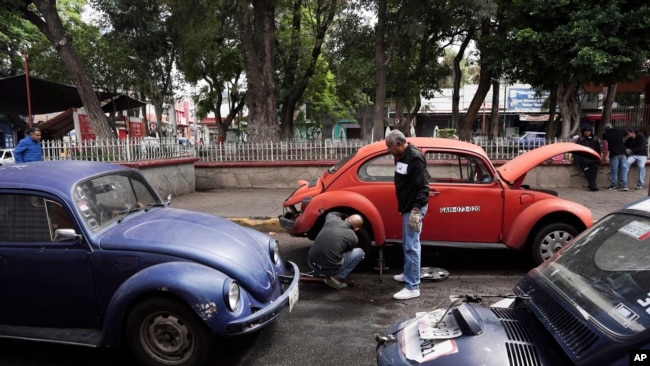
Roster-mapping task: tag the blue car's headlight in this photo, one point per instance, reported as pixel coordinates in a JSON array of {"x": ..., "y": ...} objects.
[
  {"x": 274, "y": 251},
  {"x": 231, "y": 294}
]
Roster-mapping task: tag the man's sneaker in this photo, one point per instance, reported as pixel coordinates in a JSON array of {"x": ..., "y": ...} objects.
[
  {"x": 625, "y": 189},
  {"x": 331, "y": 282},
  {"x": 405, "y": 294},
  {"x": 612, "y": 188},
  {"x": 399, "y": 277},
  {"x": 638, "y": 188}
]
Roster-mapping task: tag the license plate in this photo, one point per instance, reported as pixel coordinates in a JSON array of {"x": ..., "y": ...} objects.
[
  {"x": 429, "y": 326},
  {"x": 293, "y": 298}
]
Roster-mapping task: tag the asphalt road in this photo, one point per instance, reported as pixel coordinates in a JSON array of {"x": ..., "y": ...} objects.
[{"x": 327, "y": 326}]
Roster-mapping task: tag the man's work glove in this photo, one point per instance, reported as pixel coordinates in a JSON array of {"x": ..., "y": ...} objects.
[{"x": 415, "y": 221}]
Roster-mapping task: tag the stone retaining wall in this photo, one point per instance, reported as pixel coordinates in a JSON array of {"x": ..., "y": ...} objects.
[
  {"x": 258, "y": 175},
  {"x": 169, "y": 176}
]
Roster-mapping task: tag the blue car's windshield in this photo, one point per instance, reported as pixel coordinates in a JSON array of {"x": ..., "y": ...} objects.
[
  {"x": 103, "y": 200},
  {"x": 606, "y": 273}
]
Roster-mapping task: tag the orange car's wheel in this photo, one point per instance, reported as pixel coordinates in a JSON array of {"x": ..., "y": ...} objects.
[{"x": 549, "y": 239}]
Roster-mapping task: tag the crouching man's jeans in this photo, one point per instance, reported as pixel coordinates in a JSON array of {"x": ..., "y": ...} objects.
[{"x": 350, "y": 260}]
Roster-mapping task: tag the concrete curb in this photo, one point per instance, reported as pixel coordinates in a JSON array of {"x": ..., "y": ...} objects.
[{"x": 260, "y": 224}]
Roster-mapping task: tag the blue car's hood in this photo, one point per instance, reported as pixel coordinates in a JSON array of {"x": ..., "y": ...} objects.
[{"x": 241, "y": 253}]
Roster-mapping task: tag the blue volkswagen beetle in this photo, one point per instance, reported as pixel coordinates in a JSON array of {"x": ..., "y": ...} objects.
[
  {"x": 91, "y": 255},
  {"x": 589, "y": 304}
]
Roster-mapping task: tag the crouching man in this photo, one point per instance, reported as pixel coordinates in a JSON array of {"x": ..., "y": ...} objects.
[{"x": 334, "y": 252}]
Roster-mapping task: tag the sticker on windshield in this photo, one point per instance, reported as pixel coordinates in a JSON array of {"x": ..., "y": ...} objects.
[
  {"x": 624, "y": 315},
  {"x": 636, "y": 229}
]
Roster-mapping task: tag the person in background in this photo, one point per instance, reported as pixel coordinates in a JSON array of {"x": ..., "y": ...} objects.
[
  {"x": 587, "y": 164},
  {"x": 29, "y": 148},
  {"x": 334, "y": 252},
  {"x": 615, "y": 152},
  {"x": 636, "y": 152},
  {"x": 412, "y": 189}
]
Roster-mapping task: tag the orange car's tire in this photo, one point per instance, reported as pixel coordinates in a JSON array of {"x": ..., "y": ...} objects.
[{"x": 549, "y": 239}]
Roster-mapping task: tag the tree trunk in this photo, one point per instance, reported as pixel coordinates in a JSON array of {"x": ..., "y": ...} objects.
[
  {"x": 551, "y": 123},
  {"x": 294, "y": 84},
  {"x": 410, "y": 120},
  {"x": 257, "y": 30},
  {"x": 380, "y": 63},
  {"x": 485, "y": 80},
  {"x": 51, "y": 26},
  {"x": 607, "y": 105},
  {"x": 458, "y": 76},
  {"x": 568, "y": 108},
  {"x": 494, "y": 111}
]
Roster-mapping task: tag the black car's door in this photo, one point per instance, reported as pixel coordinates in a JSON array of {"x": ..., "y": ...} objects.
[{"x": 43, "y": 282}]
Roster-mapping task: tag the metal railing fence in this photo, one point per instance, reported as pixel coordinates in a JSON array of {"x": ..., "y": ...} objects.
[
  {"x": 116, "y": 150},
  {"x": 133, "y": 150}
]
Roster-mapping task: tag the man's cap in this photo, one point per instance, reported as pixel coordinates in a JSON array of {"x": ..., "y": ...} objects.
[
  {"x": 608, "y": 125},
  {"x": 630, "y": 130}
]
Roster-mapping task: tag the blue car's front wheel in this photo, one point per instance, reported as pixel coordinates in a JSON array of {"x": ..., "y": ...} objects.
[{"x": 163, "y": 331}]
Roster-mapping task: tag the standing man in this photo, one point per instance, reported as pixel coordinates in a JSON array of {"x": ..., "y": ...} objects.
[
  {"x": 412, "y": 189},
  {"x": 29, "y": 148},
  {"x": 636, "y": 152},
  {"x": 334, "y": 252},
  {"x": 615, "y": 147},
  {"x": 589, "y": 165}
]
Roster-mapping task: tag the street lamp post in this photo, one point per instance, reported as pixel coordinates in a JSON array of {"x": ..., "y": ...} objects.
[{"x": 505, "y": 105}]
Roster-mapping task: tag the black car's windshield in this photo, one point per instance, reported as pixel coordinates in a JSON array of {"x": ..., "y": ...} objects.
[
  {"x": 606, "y": 273},
  {"x": 103, "y": 200}
]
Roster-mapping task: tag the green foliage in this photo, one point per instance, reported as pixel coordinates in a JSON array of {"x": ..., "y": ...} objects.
[
  {"x": 577, "y": 41},
  {"x": 144, "y": 28},
  {"x": 321, "y": 96},
  {"x": 447, "y": 133},
  {"x": 350, "y": 55},
  {"x": 17, "y": 36}
]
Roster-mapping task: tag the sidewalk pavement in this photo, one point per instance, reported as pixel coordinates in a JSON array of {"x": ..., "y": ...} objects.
[{"x": 260, "y": 208}]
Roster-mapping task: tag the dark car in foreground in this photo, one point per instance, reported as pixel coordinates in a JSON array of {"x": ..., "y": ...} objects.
[
  {"x": 90, "y": 255},
  {"x": 589, "y": 304}
]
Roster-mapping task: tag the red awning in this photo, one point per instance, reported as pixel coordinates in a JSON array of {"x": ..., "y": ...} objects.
[{"x": 615, "y": 117}]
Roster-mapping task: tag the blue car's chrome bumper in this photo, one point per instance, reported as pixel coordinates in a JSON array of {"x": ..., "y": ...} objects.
[{"x": 266, "y": 315}]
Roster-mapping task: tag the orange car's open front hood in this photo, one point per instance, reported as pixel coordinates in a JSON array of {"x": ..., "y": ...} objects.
[{"x": 523, "y": 163}]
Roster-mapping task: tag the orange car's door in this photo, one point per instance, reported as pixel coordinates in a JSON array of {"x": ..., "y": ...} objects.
[
  {"x": 465, "y": 200},
  {"x": 376, "y": 183}
]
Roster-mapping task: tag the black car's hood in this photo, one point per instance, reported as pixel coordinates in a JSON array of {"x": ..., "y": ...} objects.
[
  {"x": 508, "y": 337},
  {"x": 241, "y": 253}
]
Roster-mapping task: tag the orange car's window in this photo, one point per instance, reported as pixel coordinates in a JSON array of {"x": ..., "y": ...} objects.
[
  {"x": 457, "y": 168},
  {"x": 379, "y": 169}
]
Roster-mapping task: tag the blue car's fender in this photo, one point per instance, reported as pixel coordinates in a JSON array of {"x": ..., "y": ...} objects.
[{"x": 199, "y": 286}]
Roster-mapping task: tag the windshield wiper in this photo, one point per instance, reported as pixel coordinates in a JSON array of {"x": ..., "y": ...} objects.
[
  {"x": 123, "y": 213},
  {"x": 154, "y": 204},
  {"x": 597, "y": 284}
]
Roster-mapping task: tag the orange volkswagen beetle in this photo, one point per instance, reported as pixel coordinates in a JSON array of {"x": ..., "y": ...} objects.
[{"x": 471, "y": 202}]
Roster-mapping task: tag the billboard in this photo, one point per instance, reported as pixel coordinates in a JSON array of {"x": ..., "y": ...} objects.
[{"x": 525, "y": 100}]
